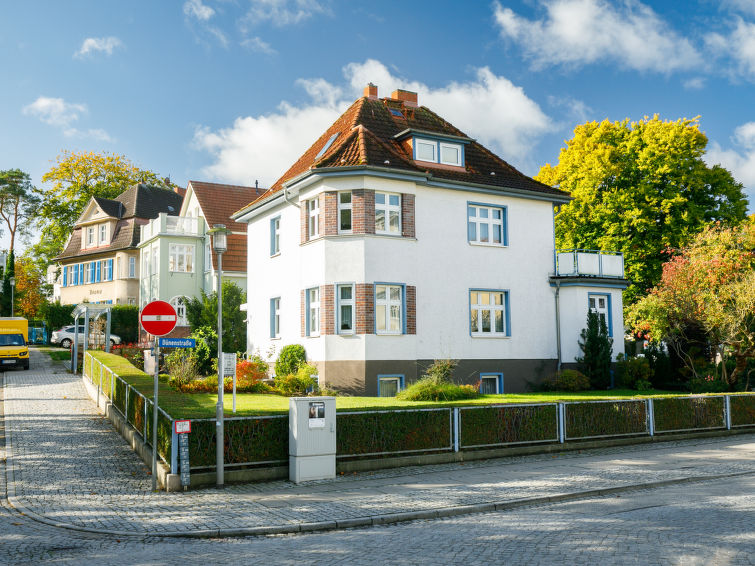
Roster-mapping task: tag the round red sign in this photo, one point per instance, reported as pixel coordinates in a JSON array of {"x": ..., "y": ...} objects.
[{"x": 158, "y": 318}]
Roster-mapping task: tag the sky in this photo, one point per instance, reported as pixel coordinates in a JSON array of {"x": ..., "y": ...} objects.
[{"x": 235, "y": 90}]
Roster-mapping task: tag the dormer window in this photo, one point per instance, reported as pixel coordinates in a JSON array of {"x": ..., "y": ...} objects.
[
  {"x": 103, "y": 234},
  {"x": 442, "y": 152},
  {"x": 90, "y": 236}
]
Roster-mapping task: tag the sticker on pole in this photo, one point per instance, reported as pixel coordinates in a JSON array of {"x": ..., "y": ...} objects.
[
  {"x": 182, "y": 427},
  {"x": 158, "y": 318}
]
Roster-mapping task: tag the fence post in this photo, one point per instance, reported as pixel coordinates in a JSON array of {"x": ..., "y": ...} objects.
[
  {"x": 727, "y": 411},
  {"x": 651, "y": 417},
  {"x": 457, "y": 424},
  {"x": 173, "y": 449},
  {"x": 146, "y": 417},
  {"x": 561, "y": 423},
  {"x": 125, "y": 406}
]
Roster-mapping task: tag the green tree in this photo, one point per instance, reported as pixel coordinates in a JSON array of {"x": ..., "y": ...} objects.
[
  {"x": 19, "y": 201},
  {"x": 203, "y": 312},
  {"x": 705, "y": 301},
  {"x": 596, "y": 347},
  {"x": 8, "y": 295},
  {"x": 77, "y": 177},
  {"x": 640, "y": 188}
]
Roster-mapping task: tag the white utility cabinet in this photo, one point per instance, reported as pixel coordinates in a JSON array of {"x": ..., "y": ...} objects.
[{"x": 311, "y": 438}]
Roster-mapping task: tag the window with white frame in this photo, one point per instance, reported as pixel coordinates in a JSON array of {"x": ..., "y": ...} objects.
[
  {"x": 345, "y": 309},
  {"x": 486, "y": 225},
  {"x": 389, "y": 307},
  {"x": 387, "y": 213},
  {"x": 600, "y": 304},
  {"x": 450, "y": 154},
  {"x": 313, "y": 311},
  {"x": 132, "y": 300},
  {"x": 313, "y": 213},
  {"x": 207, "y": 257},
  {"x": 90, "y": 236},
  {"x": 153, "y": 264},
  {"x": 90, "y": 272},
  {"x": 491, "y": 383},
  {"x": 132, "y": 267},
  {"x": 487, "y": 312},
  {"x": 179, "y": 303},
  {"x": 344, "y": 212},
  {"x": 181, "y": 258},
  {"x": 103, "y": 234},
  {"x": 389, "y": 385},
  {"x": 275, "y": 317},
  {"x": 275, "y": 235},
  {"x": 426, "y": 150}
]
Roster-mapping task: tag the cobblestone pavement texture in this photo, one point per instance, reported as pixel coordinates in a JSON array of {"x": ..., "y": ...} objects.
[{"x": 69, "y": 465}]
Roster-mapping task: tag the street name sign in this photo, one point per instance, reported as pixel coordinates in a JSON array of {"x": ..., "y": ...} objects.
[{"x": 177, "y": 343}]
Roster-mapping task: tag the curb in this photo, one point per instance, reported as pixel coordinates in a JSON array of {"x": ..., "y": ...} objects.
[{"x": 372, "y": 520}]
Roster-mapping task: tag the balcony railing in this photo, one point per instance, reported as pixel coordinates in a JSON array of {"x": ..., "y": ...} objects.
[
  {"x": 172, "y": 225},
  {"x": 589, "y": 263}
]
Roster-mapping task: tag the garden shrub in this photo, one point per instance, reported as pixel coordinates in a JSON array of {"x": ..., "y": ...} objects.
[
  {"x": 708, "y": 383},
  {"x": 633, "y": 373},
  {"x": 299, "y": 383},
  {"x": 206, "y": 350},
  {"x": 596, "y": 347},
  {"x": 566, "y": 380},
  {"x": 289, "y": 360},
  {"x": 181, "y": 365},
  {"x": 436, "y": 385}
]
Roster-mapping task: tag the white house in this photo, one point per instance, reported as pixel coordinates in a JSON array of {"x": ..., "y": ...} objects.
[{"x": 396, "y": 240}]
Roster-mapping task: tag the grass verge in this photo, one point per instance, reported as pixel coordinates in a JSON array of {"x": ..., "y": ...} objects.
[
  {"x": 59, "y": 355},
  {"x": 202, "y": 405}
]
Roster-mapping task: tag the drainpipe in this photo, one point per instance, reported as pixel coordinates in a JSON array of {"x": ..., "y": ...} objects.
[
  {"x": 285, "y": 197},
  {"x": 558, "y": 325}
]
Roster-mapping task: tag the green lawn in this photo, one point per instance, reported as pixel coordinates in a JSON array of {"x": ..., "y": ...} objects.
[
  {"x": 202, "y": 405},
  {"x": 59, "y": 355}
]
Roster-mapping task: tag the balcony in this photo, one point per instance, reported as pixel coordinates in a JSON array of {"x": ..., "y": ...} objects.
[
  {"x": 589, "y": 263},
  {"x": 165, "y": 225}
]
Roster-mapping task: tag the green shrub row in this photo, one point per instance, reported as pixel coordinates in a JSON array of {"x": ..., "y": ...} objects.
[
  {"x": 688, "y": 413},
  {"x": 583, "y": 420},
  {"x": 392, "y": 431},
  {"x": 488, "y": 426},
  {"x": 742, "y": 410},
  {"x": 246, "y": 441}
]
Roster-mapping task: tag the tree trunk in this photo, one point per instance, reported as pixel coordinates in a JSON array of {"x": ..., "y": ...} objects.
[{"x": 739, "y": 369}]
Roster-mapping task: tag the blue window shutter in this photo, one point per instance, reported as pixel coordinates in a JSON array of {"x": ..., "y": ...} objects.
[
  {"x": 505, "y": 216},
  {"x": 110, "y": 269},
  {"x": 98, "y": 276},
  {"x": 65, "y": 276},
  {"x": 610, "y": 316},
  {"x": 272, "y": 318},
  {"x": 76, "y": 274},
  {"x": 272, "y": 237},
  {"x": 508, "y": 313}
]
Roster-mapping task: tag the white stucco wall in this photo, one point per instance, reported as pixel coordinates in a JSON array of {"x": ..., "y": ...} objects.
[{"x": 440, "y": 262}]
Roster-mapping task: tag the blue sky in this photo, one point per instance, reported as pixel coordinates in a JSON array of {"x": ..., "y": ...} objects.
[{"x": 235, "y": 90}]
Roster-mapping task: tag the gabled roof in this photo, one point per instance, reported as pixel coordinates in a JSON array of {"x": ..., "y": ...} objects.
[
  {"x": 219, "y": 201},
  {"x": 138, "y": 203},
  {"x": 372, "y": 132}
]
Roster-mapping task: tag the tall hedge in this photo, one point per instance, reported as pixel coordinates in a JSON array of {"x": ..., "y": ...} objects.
[
  {"x": 56, "y": 315},
  {"x": 124, "y": 319}
]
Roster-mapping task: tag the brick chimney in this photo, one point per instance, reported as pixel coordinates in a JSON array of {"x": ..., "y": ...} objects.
[
  {"x": 408, "y": 97},
  {"x": 370, "y": 91}
]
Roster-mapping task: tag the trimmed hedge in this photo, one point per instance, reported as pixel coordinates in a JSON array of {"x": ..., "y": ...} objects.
[
  {"x": 584, "y": 420},
  {"x": 742, "y": 410},
  {"x": 490, "y": 426},
  {"x": 246, "y": 441},
  {"x": 688, "y": 413},
  {"x": 359, "y": 434}
]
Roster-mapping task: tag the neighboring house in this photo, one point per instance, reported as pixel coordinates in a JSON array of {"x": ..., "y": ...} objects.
[
  {"x": 99, "y": 263},
  {"x": 396, "y": 240},
  {"x": 176, "y": 256}
]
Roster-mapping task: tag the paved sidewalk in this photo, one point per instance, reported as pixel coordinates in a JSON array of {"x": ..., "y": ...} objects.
[{"x": 67, "y": 466}]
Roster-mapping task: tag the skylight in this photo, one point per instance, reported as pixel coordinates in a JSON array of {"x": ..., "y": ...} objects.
[
  {"x": 326, "y": 146},
  {"x": 396, "y": 113}
]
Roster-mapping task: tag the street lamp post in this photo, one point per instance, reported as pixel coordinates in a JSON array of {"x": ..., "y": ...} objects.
[
  {"x": 220, "y": 245},
  {"x": 12, "y": 289}
]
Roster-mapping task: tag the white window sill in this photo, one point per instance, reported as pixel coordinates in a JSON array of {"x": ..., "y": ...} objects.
[
  {"x": 275, "y": 338},
  {"x": 495, "y": 336},
  {"x": 487, "y": 245},
  {"x": 275, "y": 255},
  {"x": 389, "y": 334}
]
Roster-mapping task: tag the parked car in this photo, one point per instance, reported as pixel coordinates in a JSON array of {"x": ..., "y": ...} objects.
[{"x": 64, "y": 336}]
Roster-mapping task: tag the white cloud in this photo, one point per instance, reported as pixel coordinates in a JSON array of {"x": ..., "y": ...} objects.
[
  {"x": 740, "y": 161},
  {"x": 55, "y": 111},
  {"x": 283, "y": 12},
  {"x": 61, "y": 114},
  {"x": 739, "y": 45},
  {"x": 746, "y": 6},
  {"x": 259, "y": 45},
  {"x": 195, "y": 9},
  {"x": 489, "y": 108},
  {"x": 93, "y": 45},
  {"x": 695, "y": 83},
  {"x": 580, "y": 32}
]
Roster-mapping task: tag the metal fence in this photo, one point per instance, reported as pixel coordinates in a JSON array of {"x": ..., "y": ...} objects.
[{"x": 263, "y": 440}]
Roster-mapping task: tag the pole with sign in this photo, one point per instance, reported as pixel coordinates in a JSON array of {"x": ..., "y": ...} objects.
[
  {"x": 157, "y": 318},
  {"x": 229, "y": 370},
  {"x": 183, "y": 428}
]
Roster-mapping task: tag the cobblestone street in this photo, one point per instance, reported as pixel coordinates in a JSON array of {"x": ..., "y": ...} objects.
[{"x": 66, "y": 464}]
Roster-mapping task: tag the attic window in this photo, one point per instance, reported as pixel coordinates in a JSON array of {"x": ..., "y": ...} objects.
[
  {"x": 326, "y": 146},
  {"x": 434, "y": 151},
  {"x": 396, "y": 112}
]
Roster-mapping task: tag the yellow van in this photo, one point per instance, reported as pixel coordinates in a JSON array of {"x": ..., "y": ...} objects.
[{"x": 14, "y": 335}]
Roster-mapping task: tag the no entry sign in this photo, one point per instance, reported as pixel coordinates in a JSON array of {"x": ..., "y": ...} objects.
[{"x": 158, "y": 318}]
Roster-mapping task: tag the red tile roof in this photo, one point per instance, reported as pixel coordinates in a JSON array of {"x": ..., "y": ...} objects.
[{"x": 367, "y": 134}]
